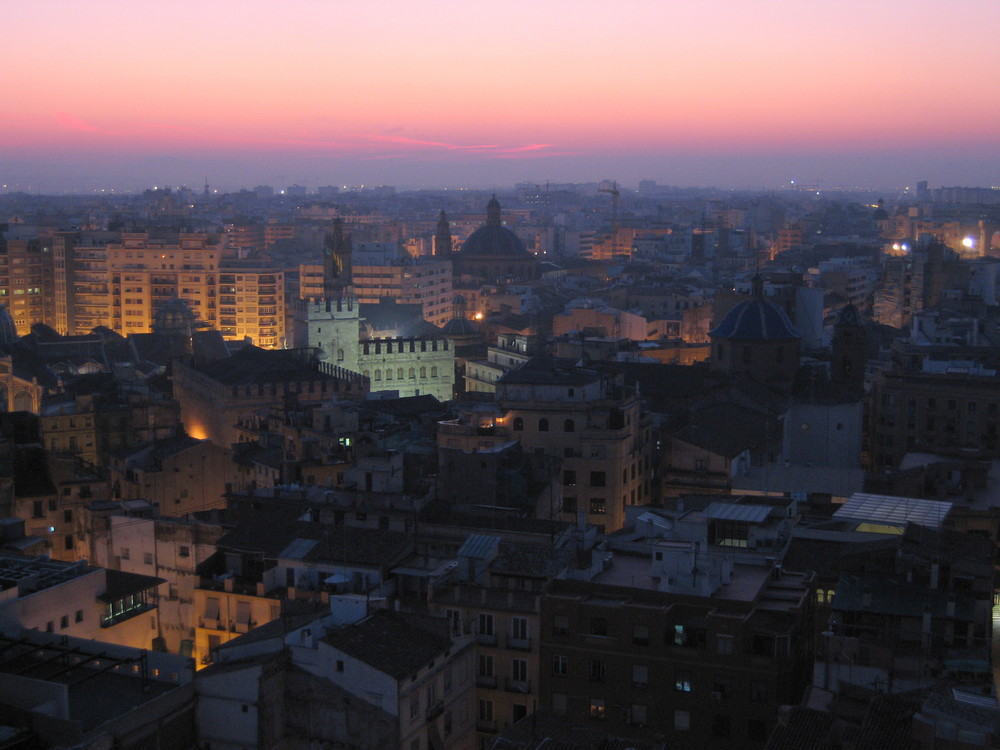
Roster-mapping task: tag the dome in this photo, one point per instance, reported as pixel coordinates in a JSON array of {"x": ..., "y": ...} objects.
[
  {"x": 493, "y": 239},
  {"x": 757, "y": 318},
  {"x": 460, "y": 327},
  {"x": 8, "y": 330}
]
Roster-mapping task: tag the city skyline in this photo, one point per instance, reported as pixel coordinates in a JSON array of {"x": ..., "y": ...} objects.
[{"x": 447, "y": 94}]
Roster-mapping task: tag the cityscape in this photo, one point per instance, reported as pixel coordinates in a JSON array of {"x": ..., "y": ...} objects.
[{"x": 561, "y": 376}]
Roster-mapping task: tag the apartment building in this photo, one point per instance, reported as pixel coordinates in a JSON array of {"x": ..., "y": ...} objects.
[
  {"x": 593, "y": 424},
  {"x": 672, "y": 640},
  {"x": 425, "y": 281},
  {"x": 22, "y": 261}
]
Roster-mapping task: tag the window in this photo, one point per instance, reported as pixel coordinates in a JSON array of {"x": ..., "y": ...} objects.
[
  {"x": 597, "y": 708},
  {"x": 724, "y": 644},
  {"x": 485, "y": 665},
  {"x": 67, "y": 516},
  {"x": 79, "y": 615},
  {"x": 721, "y": 687},
  {"x": 519, "y": 670},
  {"x": 485, "y": 710},
  {"x": 640, "y": 675},
  {"x": 598, "y": 479},
  {"x": 560, "y": 625},
  {"x": 569, "y": 426},
  {"x": 598, "y": 670},
  {"x": 184, "y": 551},
  {"x": 447, "y": 723},
  {"x": 559, "y": 665},
  {"x": 64, "y": 622},
  {"x": 682, "y": 682},
  {"x": 543, "y": 425},
  {"x": 637, "y": 715},
  {"x": 519, "y": 628},
  {"x": 36, "y": 509},
  {"x": 640, "y": 635},
  {"x": 485, "y": 621},
  {"x": 569, "y": 478},
  {"x": 598, "y": 626},
  {"x": 598, "y": 505},
  {"x": 518, "y": 424},
  {"x": 124, "y": 553},
  {"x": 414, "y": 707},
  {"x": 682, "y": 721},
  {"x": 147, "y": 558},
  {"x": 721, "y": 726}
]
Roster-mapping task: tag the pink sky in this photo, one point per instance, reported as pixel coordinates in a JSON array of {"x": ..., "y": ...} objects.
[{"x": 468, "y": 88}]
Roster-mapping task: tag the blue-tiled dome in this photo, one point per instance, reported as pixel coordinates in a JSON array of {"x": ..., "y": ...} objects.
[
  {"x": 757, "y": 318},
  {"x": 8, "y": 330}
]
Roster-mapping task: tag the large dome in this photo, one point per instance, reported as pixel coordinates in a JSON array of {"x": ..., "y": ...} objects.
[
  {"x": 493, "y": 239},
  {"x": 756, "y": 319}
]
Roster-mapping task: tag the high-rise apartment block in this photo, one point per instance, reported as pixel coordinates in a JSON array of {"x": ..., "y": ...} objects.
[
  {"x": 21, "y": 282},
  {"x": 120, "y": 284}
]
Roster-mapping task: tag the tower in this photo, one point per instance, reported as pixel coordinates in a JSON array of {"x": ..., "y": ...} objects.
[
  {"x": 332, "y": 323},
  {"x": 850, "y": 350},
  {"x": 336, "y": 260},
  {"x": 442, "y": 237}
]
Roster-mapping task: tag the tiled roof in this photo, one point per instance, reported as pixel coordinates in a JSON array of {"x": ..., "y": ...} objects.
[{"x": 390, "y": 643}]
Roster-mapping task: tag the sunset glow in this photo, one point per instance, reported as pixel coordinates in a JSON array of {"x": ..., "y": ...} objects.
[{"x": 456, "y": 84}]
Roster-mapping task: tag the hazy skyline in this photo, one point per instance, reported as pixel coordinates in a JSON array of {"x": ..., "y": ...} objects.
[{"x": 117, "y": 94}]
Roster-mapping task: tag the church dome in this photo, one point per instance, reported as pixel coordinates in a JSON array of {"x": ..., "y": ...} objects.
[
  {"x": 8, "y": 330},
  {"x": 493, "y": 239},
  {"x": 460, "y": 327},
  {"x": 756, "y": 319}
]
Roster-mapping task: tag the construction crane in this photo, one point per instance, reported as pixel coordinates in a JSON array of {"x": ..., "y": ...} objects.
[{"x": 614, "y": 192}]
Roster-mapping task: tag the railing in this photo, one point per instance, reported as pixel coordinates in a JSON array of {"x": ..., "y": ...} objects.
[
  {"x": 517, "y": 686},
  {"x": 435, "y": 710},
  {"x": 486, "y": 681},
  {"x": 486, "y": 639},
  {"x": 486, "y": 725},
  {"x": 518, "y": 644}
]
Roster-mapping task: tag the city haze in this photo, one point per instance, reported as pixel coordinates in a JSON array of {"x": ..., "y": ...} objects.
[{"x": 125, "y": 95}]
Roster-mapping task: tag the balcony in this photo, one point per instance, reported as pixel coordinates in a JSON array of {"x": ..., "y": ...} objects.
[
  {"x": 435, "y": 710},
  {"x": 517, "y": 686},
  {"x": 486, "y": 725},
  {"x": 518, "y": 644},
  {"x": 486, "y": 681},
  {"x": 486, "y": 639}
]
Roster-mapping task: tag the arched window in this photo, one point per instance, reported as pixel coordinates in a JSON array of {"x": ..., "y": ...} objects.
[
  {"x": 378, "y": 375},
  {"x": 399, "y": 373},
  {"x": 434, "y": 372},
  {"x": 518, "y": 424},
  {"x": 423, "y": 372},
  {"x": 413, "y": 373},
  {"x": 388, "y": 374},
  {"x": 340, "y": 355},
  {"x": 569, "y": 426},
  {"x": 543, "y": 425}
]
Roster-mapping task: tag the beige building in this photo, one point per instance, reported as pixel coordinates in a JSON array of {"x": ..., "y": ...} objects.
[
  {"x": 241, "y": 298},
  {"x": 422, "y": 281},
  {"x": 594, "y": 425},
  {"x": 21, "y": 279}
]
